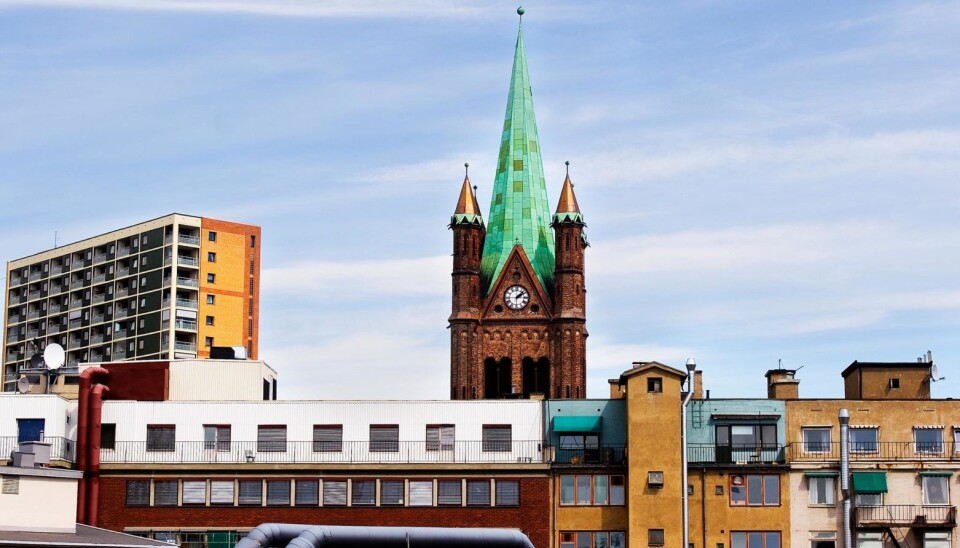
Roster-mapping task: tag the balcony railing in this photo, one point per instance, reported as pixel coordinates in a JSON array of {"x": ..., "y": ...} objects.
[
  {"x": 185, "y": 346},
  {"x": 56, "y": 269},
  {"x": 605, "y": 455},
  {"x": 56, "y": 307},
  {"x": 121, "y": 292},
  {"x": 403, "y": 452},
  {"x": 122, "y": 271},
  {"x": 99, "y": 258},
  {"x": 188, "y": 239},
  {"x": 188, "y": 261},
  {"x": 33, "y": 295},
  {"x": 905, "y": 515},
  {"x": 121, "y": 313},
  {"x": 96, "y": 339},
  {"x": 76, "y": 304},
  {"x": 60, "y": 448},
  {"x": 76, "y": 284},
  {"x": 31, "y": 333},
  {"x": 189, "y": 325},
  {"x": 53, "y": 328},
  {"x": 709, "y": 453},
  {"x": 118, "y": 355},
  {"x": 33, "y": 314},
  {"x": 123, "y": 251},
  {"x": 188, "y": 282},
  {"x": 186, "y": 303},
  {"x": 99, "y": 298},
  {"x": 100, "y": 278},
  {"x": 873, "y": 451},
  {"x": 34, "y": 276}
]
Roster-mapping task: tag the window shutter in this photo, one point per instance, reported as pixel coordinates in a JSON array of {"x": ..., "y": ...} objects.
[
  {"x": 328, "y": 438},
  {"x": 391, "y": 493},
  {"x": 161, "y": 438},
  {"x": 308, "y": 493},
  {"x": 278, "y": 493},
  {"x": 440, "y": 438},
  {"x": 421, "y": 493},
  {"x": 138, "y": 493},
  {"x": 334, "y": 493},
  {"x": 165, "y": 493},
  {"x": 385, "y": 439},
  {"x": 221, "y": 492},
  {"x": 194, "y": 492},
  {"x": 478, "y": 493},
  {"x": 508, "y": 493},
  {"x": 251, "y": 492},
  {"x": 449, "y": 493},
  {"x": 364, "y": 492},
  {"x": 272, "y": 439},
  {"x": 497, "y": 438}
]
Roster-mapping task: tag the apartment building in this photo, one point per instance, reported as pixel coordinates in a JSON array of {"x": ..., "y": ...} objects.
[{"x": 168, "y": 288}]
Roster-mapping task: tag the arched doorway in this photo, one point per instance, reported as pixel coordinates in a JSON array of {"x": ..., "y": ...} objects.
[{"x": 536, "y": 377}]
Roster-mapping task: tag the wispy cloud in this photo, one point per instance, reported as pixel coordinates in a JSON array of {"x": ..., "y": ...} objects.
[{"x": 356, "y": 279}]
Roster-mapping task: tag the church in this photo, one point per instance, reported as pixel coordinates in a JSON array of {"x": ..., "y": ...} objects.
[{"x": 518, "y": 319}]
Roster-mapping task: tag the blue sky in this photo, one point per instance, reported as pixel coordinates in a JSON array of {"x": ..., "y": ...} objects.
[{"x": 762, "y": 181}]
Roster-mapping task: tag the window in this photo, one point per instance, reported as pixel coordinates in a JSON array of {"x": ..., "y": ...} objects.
[
  {"x": 421, "y": 493},
  {"x": 449, "y": 493},
  {"x": 508, "y": 493},
  {"x": 822, "y": 490},
  {"x": 870, "y": 539},
  {"x": 216, "y": 437},
  {"x": 108, "y": 436},
  {"x": 497, "y": 437},
  {"x": 894, "y": 383},
  {"x": 251, "y": 492},
  {"x": 391, "y": 492},
  {"x": 617, "y": 490},
  {"x": 440, "y": 437},
  {"x": 308, "y": 493},
  {"x": 869, "y": 499},
  {"x": 211, "y": 299},
  {"x": 755, "y": 539},
  {"x": 161, "y": 437},
  {"x": 384, "y": 438},
  {"x": 936, "y": 539},
  {"x": 928, "y": 440},
  {"x": 956, "y": 440},
  {"x": 272, "y": 439},
  {"x": 221, "y": 492},
  {"x": 583, "y": 490},
  {"x": 209, "y": 320},
  {"x": 165, "y": 493},
  {"x": 864, "y": 439},
  {"x": 605, "y": 490},
  {"x": 600, "y": 490},
  {"x": 194, "y": 492},
  {"x": 936, "y": 490},
  {"x": 654, "y": 537},
  {"x": 334, "y": 493},
  {"x": 328, "y": 438},
  {"x": 755, "y": 490},
  {"x": 278, "y": 492},
  {"x": 592, "y": 539},
  {"x": 211, "y": 236},
  {"x": 253, "y": 241},
  {"x": 747, "y": 436},
  {"x": 211, "y": 278},
  {"x": 364, "y": 493},
  {"x": 208, "y": 341},
  {"x": 211, "y": 257},
  {"x": 816, "y": 440},
  {"x": 138, "y": 492},
  {"x": 823, "y": 539},
  {"x": 478, "y": 493}
]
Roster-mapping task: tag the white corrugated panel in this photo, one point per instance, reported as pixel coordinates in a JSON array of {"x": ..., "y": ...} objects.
[
  {"x": 219, "y": 380},
  {"x": 54, "y": 410}
]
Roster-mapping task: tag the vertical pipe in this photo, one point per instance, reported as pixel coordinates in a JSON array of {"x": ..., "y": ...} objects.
[
  {"x": 844, "y": 417},
  {"x": 691, "y": 365},
  {"x": 83, "y": 418},
  {"x": 93, "y": 488}
]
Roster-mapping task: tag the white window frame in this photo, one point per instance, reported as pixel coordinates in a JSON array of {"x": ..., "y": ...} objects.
[
  {"x": 875, "y": 444},
  {"x": 944, "y": 488},
  {"x": 823, "y": 536},
  {"x": 916, "y": 444},
  {"x": 830, "y": 490},
  {"x": 859, "y": 499},
  {"x": 812, "y": 446}
]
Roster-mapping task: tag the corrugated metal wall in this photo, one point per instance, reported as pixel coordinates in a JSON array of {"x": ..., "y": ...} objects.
[
  {"x": 220, "y": 380},
  {"x": 60, "y": 415}
]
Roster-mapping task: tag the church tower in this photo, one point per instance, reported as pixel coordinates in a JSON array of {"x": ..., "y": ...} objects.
[{"x": 518, "y": 320}]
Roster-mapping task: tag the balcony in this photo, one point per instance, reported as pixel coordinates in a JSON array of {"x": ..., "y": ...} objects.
[
  {"x": 123, "y": 251},
  {"x": 121, "y": 313},
  {"x": 187, "y": 325},
  {"x": 97, "y": 318},
  {"x": 404, "y": 452},
  {"x": 604, "y": 455},
  {"x": 725, "y": 455},
  {"x": 99, "y": 258},
  {"x": 74, "y": 343},
  {"x": 61, "y": 449},
  {"x": 55, "y": 307},
  {"x": 118, "y": 355},
  {"x": 33, "y": 314},
  {"x": 74, "y": 324},
  {"x": 56, "y": 269},
  {"x": 121, "y": 292},
  {"x": 99, "y": 298},
  {"x": 53, "y": 328},
  {"x": 188, "y": 239},
  {"x": 186, "y": 303},
  {"x": 96, "y": 339},
  {"x": 76, "y": 284},
  {"x": 188, "y": 282},
  {"x": 76, "y": 304},
  {"x": 122, "y": 271},
  {"x": 33, "y": 333},
  {"x": 100, "y": 278},
  {"x": 188, "y": 261},
  {"x": 34, "y": 276},
  {"x": 33, "y": 295},
  {"x": 11, "y": 357},
  {"x": 906, "y": 515},
  {"x": 185, "y": 346},
  {"x": 872, "y": 451}
]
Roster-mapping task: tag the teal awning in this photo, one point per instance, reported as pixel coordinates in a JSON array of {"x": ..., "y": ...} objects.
[
  {"x": 576, "y": 424},
  {"x": 820, "y": 474},
  {"x": 870, "y": 482},
  {"x": 937, "y": 473}
]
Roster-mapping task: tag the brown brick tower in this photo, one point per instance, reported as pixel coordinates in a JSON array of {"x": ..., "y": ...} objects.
[{"x": 518, "y": 323}]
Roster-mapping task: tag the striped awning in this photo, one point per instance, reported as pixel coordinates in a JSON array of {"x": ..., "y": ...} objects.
[
  {"x": 936, "y": 473},
  {"x": 930, "y": 427},
  {"x": 873, "y": 426},
  {"x": 821, "y": 474}
]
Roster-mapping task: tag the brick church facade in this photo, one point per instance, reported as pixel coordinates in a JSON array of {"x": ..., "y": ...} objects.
[{"x": 518, "y": 321}]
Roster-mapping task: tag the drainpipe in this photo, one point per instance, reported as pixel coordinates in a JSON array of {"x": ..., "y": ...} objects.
[
  {"x": 844, "y": 417},
  {"x": 93, "y": 488},
  {"x": 86, "y": 379},
  {"x": 691, "y": 367}
]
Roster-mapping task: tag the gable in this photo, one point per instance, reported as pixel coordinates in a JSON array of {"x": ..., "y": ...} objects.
[{"x": 517, "y": 271}]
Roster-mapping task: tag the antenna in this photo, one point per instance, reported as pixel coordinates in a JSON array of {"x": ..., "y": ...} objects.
[
  {"x": 53, "y": 356},
  {"x": 23, "y": 385}
]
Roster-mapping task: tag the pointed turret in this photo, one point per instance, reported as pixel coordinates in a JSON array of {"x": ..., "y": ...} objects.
[
  {"x": 568, "y": 210},
  {"x": 519, "y": 209},
  {"x": 468, "y": 210}
]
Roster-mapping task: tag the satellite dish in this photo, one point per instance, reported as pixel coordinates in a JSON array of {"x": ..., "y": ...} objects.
[
  {"x": 36, "y": 361},
  {"x": 53, "y": 356},
  {"x": 23, "y": 385},
  {"x": 934, "y": 375}
]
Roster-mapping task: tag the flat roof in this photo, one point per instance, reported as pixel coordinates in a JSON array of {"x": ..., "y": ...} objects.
[
  {"x": 40, "y": 472},
  {"x": 84, "y": 536},
  {"x": 884, "y": 365}
]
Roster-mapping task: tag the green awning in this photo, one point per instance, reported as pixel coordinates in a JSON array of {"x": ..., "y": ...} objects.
[
  {"x": 936, "y": 473},
  {"x": 870, "y": 482},
  {"x": 812, "y": 474},
  {"x": 576, "y": 424}
]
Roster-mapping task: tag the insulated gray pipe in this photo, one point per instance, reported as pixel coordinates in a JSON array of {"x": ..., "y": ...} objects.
[
  {"x": 271, "y": 534},
  {"x": 844, "y": 417},
  {"x": 407, "y": 537}
]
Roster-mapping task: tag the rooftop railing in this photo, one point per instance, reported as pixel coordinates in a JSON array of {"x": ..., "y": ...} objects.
[
  {"x": 708, "y": 453},
  {"x": 603, "y": 455},
  {"x": 873, "y": 451},
  {"x": 60, "y": 448}
]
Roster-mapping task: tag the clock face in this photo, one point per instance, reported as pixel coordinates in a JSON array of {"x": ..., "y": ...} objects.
[{"x": 516, "y": 297}]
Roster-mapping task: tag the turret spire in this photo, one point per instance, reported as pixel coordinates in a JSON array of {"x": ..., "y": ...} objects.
[
  {"x": 468, "y": 210},
  {"x": 519, "y": 209}
]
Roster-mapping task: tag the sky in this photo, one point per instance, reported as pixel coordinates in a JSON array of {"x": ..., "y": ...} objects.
[{"x": 765, "y": 183}]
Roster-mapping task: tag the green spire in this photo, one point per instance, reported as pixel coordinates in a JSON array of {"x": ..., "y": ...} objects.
[{"x": 519, "y": 211}]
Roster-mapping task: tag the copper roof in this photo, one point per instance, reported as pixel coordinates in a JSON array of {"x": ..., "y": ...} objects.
[
  {"x": 568, "y": 200},
  {"x": 468, "y": 201}
]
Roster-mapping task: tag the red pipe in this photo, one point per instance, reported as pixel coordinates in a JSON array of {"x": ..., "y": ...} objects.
[
  {"x": 86, "y": 379},
  {"x": 93, "y": 489}
]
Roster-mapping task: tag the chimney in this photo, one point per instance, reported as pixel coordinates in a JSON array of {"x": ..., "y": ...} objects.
[
  {"x": 698, "y": 385},
  {"x": 616, "y": 389},
  {"x": 781, "y": 384}
]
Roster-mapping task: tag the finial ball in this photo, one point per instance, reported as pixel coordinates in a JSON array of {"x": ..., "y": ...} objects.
[
  {"x": 566, "y": 163},
  {"x": 520, "y": 10},
  {"x": 466, "y": 164}
]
